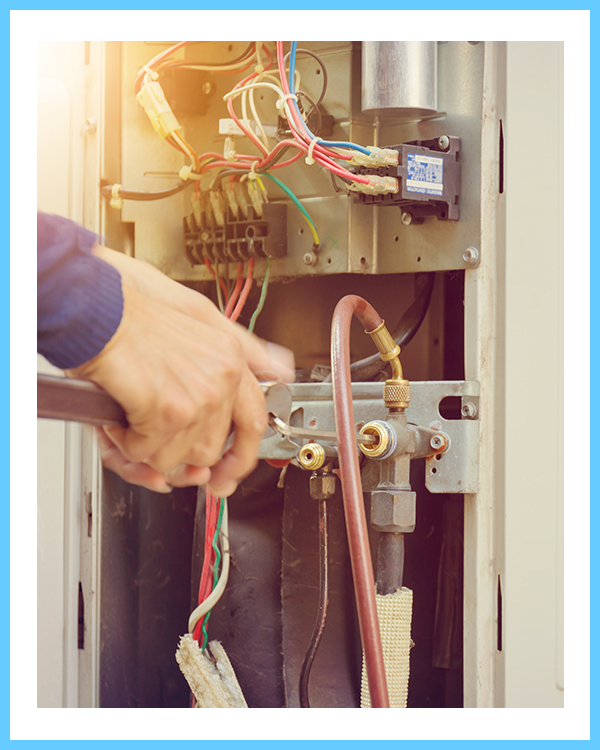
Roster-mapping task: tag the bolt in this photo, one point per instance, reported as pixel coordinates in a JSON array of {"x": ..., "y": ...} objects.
[
  {"x": 443, "y": 142},
  {"x": 406, "y": 218},
  {"x": 471, "y": 256},
  {"x": 90, "y": 125},
  {"x": 207, "y": 88},
  {"x": 438, "y": 442},
  {"x": 309, "y": 259},
  {"x": 469, "y": 410}
]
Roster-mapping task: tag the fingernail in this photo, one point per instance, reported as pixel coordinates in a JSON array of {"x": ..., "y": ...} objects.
[{"x": 165, "y": 490}]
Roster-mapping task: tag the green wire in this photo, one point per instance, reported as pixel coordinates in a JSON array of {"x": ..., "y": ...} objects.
[
  {"x": 216, "y": 569},
  {"x": 263, "y": 297},
  {"x": 301, "y": 208}
]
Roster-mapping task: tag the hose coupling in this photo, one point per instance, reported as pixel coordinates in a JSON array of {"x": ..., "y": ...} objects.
[
  {"x": 387, "y": 440},
  {"x": 311, "y": 456},
  {"x": 396, "y": 393}
]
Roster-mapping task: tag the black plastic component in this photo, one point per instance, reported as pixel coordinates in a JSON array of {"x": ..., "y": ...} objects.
[
  {"x": 188, "y": 91},
  {"x": 327, "y": 123},
  {"x": 421, "y": 198},
  {"x": 239, "y": 238}
]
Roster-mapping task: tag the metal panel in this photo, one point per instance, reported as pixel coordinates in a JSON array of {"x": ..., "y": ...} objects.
[
  {"x": 354, "y": 238},
  {"x": 456, "y": 471}
]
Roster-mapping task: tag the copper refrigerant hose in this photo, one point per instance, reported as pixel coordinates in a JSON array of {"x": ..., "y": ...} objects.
[{"x": 354, "y": 509}]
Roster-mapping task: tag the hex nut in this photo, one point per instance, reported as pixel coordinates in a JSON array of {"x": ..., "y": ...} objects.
[
  {"x": 471, "y": 256},
  {"x": 393, "y": 511},
  {"x": 469, "y": 410},
  {"x": 322, "y": 486}
]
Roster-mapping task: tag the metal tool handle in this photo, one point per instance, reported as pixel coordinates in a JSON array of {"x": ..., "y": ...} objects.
[
  {"x": 82, "y": 401},
  {"x": 77, "y": 401}
]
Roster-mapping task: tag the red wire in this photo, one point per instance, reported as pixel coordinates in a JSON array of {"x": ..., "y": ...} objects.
[
  {"x": 245, "y": 291},
  {"x": 236, "y": 290}
]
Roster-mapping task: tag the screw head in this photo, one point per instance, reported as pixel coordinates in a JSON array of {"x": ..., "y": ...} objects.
[
  {"x": 406, "y": 218},
  {"x": 469, "y": 410},
  {"x": 207, "y": 88},
  {"x": 471, "y": 256},
  {"x": 309, "y": 259},
  {"x": 90, "y": 125},
  {"x": 443, "y": 142},
  {"x": 437, "y": 442}
]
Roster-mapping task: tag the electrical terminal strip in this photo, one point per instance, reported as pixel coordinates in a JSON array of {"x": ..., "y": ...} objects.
[
  {"x": 232, "y": 199},
  {"x": 156, "y": 106},
  {"x": 378, "y": 157},
  {"x": 197, "y": 206},
  {"x": 240, "y": 195},
  {"x": 377, "y": 185},
  {"x": 218, "y": 207},
  {"x": 255, "y": 196}
]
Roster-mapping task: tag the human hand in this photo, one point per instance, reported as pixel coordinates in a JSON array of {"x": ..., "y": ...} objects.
[{"x": 184, "y": 375}]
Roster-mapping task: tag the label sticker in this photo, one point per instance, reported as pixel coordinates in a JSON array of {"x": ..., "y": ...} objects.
[{"x": 424, "y": 174}]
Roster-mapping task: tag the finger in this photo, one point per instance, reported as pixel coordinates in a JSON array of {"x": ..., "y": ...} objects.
[
  {"x": 265, "y": 357},
  {"x": 250, "y": 421},
  {"x": 188, "y": 476},
  {"x": 134, "y": 473}
]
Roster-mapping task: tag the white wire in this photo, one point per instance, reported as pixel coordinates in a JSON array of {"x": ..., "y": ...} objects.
[{"x": 218, "y": 590}]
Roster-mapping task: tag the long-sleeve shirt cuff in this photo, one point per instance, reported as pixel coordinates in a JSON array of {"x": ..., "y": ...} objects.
[{"x": 80, "y": 299}]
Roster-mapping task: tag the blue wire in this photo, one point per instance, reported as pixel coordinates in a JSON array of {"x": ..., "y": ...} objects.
[{"x": 333, "y": 144}]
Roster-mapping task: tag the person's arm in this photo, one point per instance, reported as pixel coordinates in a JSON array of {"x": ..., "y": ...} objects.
[{"x": 184, "y": 375}]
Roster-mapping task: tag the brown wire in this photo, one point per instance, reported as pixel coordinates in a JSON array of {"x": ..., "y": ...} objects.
[{"x": 354, "y": 509}]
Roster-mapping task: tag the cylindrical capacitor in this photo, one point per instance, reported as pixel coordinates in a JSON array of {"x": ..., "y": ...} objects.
[{"x": 399, "y": 78}]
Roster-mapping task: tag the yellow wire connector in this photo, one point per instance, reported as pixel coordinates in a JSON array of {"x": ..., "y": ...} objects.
[
  {"x": 379, "y": 157},
  {"x": 377, "y": 185},
  {"x": 156, "y": 106}
]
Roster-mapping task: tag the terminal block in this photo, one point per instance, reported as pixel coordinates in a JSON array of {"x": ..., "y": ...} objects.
[
  {"x": 428, "y": 175},
  {"x": 227, "y": 237}
]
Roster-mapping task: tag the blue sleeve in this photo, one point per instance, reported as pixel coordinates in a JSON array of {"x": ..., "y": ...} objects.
[{"x": 80, "y": 300}]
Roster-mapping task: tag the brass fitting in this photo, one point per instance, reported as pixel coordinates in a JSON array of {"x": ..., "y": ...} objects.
[
  {"x": 311, "y": 456},
  {"x": 396, "y": 391},
  {"x": 386, "y": 439}
]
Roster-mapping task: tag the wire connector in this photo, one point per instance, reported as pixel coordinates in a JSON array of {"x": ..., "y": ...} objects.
[
  {"x": 156, "y": 106},
  {"x": 378, "y": 157},
  {"x": 377, "y": 185},
  {"x": 115, "y": 198}
]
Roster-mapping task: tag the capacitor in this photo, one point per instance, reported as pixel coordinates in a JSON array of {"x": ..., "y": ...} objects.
[{"x": 399, "y": 78}]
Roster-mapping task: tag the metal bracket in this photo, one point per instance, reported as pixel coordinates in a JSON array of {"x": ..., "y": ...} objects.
[{"x": 455, "y": 471}]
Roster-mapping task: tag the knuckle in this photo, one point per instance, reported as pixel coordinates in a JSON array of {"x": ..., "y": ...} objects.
[{"x": 175, "y": 413}]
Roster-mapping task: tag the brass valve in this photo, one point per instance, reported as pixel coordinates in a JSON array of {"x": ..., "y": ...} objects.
[{"x": 311, "y": 456}]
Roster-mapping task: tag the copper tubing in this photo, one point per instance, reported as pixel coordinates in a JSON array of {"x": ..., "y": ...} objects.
[{"x": 354, "y": 509}]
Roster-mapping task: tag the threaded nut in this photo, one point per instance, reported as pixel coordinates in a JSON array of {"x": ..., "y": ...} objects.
[{"x": 396, "y": 394}]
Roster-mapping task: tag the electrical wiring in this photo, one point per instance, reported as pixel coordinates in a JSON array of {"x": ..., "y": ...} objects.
[
  {"x": 323, "y": 70},
  {"x": 299, "y": 205},
  {"x": 144, "y": 195},
  {"x": 236, "y": 290},
  {"x": 245, "y": 292},
  {"x": 217, "y": 591},
  {"x": 291, "y": 87},
  {"x": 217, "y": 562},
  {"x": 263, "y": 297},
  {"x": 319, "y": 626}
]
